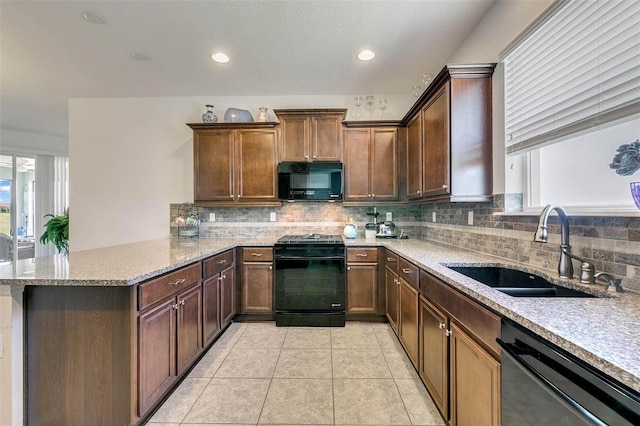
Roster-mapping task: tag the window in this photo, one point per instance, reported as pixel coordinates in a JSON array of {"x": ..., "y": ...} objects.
[{"x": 572, "y": 96}]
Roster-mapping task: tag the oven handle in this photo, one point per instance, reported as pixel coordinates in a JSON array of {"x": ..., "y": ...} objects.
[
  {"x": 545, "y": 384},
  {"x": 289, "y": 257}
]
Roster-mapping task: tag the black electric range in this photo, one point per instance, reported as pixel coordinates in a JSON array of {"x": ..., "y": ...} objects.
[{"x": 310, "y": 280}]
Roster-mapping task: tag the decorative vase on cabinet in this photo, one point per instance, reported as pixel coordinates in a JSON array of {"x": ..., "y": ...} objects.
[
  {"x": 209, "y": 116},
  {"x": 262, "y": 115}
]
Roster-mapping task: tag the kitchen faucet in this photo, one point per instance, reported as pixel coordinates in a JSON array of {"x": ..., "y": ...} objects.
[{"x": 565, "y": 266}]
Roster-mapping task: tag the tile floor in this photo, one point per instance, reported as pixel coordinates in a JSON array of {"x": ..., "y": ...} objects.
[{"x": 257, "y": 373}]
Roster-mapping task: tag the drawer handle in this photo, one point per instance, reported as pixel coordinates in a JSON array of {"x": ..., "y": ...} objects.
[
  {"x": 407, "y": 271},
  {"x": 390, "y": 259},
  {"x": 256, "y": 254},
  {"x": 361, "y": 254},
  {"x": 222, "y": 262},
  {"x": 444, "y": 186},
  {"x": 180, "y": 281},
  {"x": 270, "y": 268}
]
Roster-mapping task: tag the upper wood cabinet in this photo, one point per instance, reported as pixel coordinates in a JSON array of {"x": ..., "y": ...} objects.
[
  {"x": 309, "y": 135},
  {"x": 371, "y": 164},
  {"x": 449, "y": 145},
  {"x": 235, "y": 163}
]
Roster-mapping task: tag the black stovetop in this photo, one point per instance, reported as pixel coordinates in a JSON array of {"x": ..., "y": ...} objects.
[{"x": 310, "y": 239}]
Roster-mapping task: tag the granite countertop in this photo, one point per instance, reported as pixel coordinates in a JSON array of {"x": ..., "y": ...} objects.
[{"x": 601, "y": 331}]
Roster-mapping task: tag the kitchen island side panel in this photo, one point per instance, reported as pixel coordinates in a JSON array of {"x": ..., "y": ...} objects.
[{"x": 80, "y": 355}]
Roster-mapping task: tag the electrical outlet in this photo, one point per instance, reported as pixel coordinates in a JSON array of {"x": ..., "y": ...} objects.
[
  {"x": 389, "y": 217},
  {"x": 433, "y": 217},
  {"x": 212, "y": 217},
  {"x": 470, "y": 218},
  {"x": 272, "y": 216}
]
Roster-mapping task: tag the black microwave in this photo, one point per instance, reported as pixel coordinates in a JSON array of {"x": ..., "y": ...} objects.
[{"x": 320, "y": 181}]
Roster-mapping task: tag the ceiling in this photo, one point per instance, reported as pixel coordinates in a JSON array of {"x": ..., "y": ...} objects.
[{"x": 49, "y": 53}]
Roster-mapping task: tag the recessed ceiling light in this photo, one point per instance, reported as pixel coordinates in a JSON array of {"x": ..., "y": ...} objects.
[
  {"x": 220, "y": 58},
  {"x": 140, "y": 56},
  {"x": 366, "y": 55},
  {"x": 92, "y": 17}
]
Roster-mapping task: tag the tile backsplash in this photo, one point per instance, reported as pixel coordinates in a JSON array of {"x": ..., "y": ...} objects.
[{"x": 612, "y": 244}]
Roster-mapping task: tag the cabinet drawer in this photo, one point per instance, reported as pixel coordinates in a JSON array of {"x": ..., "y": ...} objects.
[
  {"x": 362, "y": 254},
  {"x": 257, "y": 254},
  {"x": 157, "y": 289},
  {"x": 218, "y": 263},
  {"x": 482, "y": 323},
  {"x": 392, "y": 260},
  {"x": 408, "y": 272}
]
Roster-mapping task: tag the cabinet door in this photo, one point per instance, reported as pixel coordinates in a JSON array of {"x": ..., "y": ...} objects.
[
  {"x": 475, "y": 383},
  {"x": 156, "y": 353},
  {"x": 408, "y": 326},
  {"x": 384, "y": 164},
  {"x": 213, "y": 155},
  {"x": 189, "y": 327},
  {"x": 362, "y": 288},
  {"x": 356, "y": 165},
  {"x": 326, "y": 138},
  {"x": 435, "y": 127},
  {"x": 256, "y": 168},
  {"x": 257, "y": 287},
  {"x": 392, "y": 299},
  {"x": 211, "y": 308},
  {"x": 434, "y": 347},
  {"x": 294, "y": 144},
  {"x": 227, "y": 295},
  {"x": 414, "y": 158}
]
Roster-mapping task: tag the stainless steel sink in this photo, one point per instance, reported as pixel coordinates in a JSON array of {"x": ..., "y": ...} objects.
[{"x": 517, "y": 283}]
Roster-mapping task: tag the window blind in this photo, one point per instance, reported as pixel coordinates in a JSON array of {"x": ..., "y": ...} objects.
[{"x": 576, "y": 71}]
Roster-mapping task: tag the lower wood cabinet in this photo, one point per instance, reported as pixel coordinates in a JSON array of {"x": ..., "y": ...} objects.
[
  {"x": 257, "y": 280},
  {"x": 170, "y": 339},
  {"x": 218, "y": 290},
  {"x": 408, "y": 303},
  {"x": 458, "y": 357},
  {"x": 392, "y": 284},
  {"x": 362, "y": 280}
]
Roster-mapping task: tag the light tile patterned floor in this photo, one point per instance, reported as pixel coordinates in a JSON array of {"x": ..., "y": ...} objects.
[{"x": 260, "y": 374}]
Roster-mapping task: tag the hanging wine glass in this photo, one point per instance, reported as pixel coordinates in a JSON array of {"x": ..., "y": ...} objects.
[
  {"x": 416, "y": 91},
  {"x": 370, "y": 105},
  {"x": 357, "y": 101},
  {"x": 382, "y": 105}
]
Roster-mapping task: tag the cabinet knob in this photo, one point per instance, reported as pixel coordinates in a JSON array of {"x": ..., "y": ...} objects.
[
  {"x": 256, "y": 254},
  {"x": 373, "y": 195},
  {"x": 444, "y": 186},
  {"x": 270, "y": 268},
  {"x": 179, "y": 281},
  {"x": 419, "y": 192},
  {"x": 315, "y": 156},
  {"x": 220, "y": 278},
  {"x": 361, "y": 254},
  {"x": 231, "y": 196},
  {"x": 182, "y": 302},
  {"x": 448, "y": 333},
  {"x": 175, "y": 306},
  {"x": 306, "y": 157},
  {"x": 441, "y": 325},
  {"x": 223, "y": 276}
]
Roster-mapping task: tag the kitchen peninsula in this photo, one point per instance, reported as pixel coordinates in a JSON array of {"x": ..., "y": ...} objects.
[{"x": 87, "y": 349}]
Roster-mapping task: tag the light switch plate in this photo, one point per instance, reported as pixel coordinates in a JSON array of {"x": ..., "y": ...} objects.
[
  {"x": 470, "y": 218},
  {"x": 389, "y": 217},
  {"x": 212, "y": 217},
  {"x": 433, "y": 217},
  {"x": 272, "y": 216}
]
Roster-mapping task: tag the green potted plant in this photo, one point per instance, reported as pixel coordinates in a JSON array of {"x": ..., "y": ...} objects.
[{"x": 57, "y": 232}]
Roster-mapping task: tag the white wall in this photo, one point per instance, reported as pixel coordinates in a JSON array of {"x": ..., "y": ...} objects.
[
  {"x": 129, "y": 158},
  {"x": 502, "y": 23}
]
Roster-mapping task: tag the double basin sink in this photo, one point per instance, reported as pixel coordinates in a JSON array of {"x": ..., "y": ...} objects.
[{"x": 517, "y": 283}]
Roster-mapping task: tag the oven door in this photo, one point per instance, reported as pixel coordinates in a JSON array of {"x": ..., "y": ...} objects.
[{"x": 310, "y": 284}]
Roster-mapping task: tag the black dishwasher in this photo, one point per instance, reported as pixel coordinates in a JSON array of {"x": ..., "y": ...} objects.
[{"x": 544, "y": 385}]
